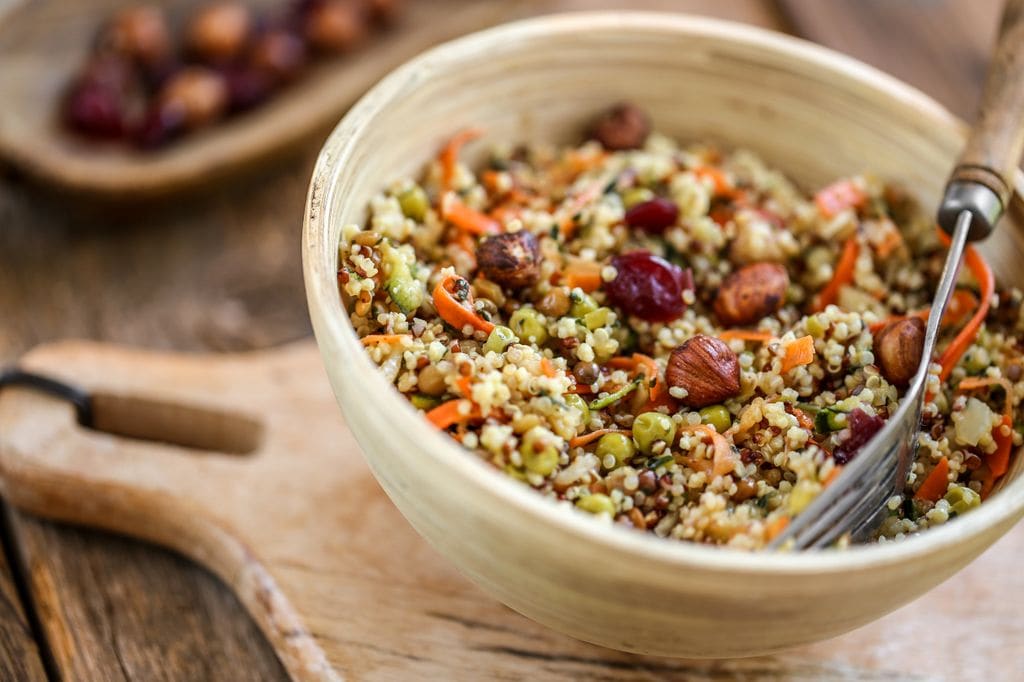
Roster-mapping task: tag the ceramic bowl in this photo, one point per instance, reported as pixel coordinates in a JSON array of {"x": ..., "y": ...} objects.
[{"x": 813, "y": 113}]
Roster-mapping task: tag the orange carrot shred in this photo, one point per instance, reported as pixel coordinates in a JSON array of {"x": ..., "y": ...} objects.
[
  {"x": 843, "y": 275},
  {"x": 548, "y": 368},
  {"x": 746, "y": 335},
  {"x": 986, "y": 281},
  {"x": 466, "y": 218},
  {"x": 588, "y": 438},
  {"x": 934, "y": 487},
  {"x": 455, "y": 313},
  {"x": 583, "y": 274},
  {"x": 799, "y": 352},
  {"x": 724, "y": 458},
  {"x": 719, "y": 182},
  {"x": 450, "y": 413},
  {"x": 776, "y": 527},
  {"x": 832, "y": 475},
  {"x": 450, "y": 155},
  {"x": 372, "y": 339}
]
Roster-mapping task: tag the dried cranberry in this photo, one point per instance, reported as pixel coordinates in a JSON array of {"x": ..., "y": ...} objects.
[
  {"x": 655, "y": 216},
  {"x": 862, "y": 427},
  {"x": 648, "y": 287},
  {"x": 95, "y": 110}
]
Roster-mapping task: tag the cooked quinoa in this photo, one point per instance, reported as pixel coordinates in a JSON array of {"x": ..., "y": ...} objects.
[{"x": 676, "y": 338}]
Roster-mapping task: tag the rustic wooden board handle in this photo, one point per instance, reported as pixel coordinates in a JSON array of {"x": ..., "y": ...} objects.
[{"x": 996, "y": 141}]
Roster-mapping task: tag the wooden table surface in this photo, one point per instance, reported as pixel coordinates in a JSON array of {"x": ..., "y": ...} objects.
[{"x": 222, "y": 272}]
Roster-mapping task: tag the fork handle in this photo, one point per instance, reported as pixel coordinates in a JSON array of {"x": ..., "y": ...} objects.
[{"x": 996, "y": 142}]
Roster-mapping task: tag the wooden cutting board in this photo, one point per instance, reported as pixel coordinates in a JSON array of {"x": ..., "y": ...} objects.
[{"x": 343, "y": 588}]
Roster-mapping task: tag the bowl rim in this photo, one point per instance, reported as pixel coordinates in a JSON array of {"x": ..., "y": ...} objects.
[{"x": 334, "y": 331}]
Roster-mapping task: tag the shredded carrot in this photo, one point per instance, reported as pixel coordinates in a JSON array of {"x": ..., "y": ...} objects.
[
  {"x": 724, "y": 458},
  {"x": 449, "y": 157},
  {"x": 455, "y": 313},
  {"x": 776, "y": 527},
  {"x": 588, "y": 438},
  {"x": 466, "y": 218},
  {"x": 450, "y": 413},
  {"x": 839, "y": 196},
  {"x": 719, "y": 182},
  {"x": 974, "y": 383},
  {"x": 802, "y": 418},
  {"x": 832, "y": 475},
  {"x": 891, "y": 240},
  {"x": 934, "y": 487},
  {"x": 583, "y": 274},
  {"x": 491, "y": 179},
  {"x": 986, "y": 281},
  {"x": 547, "y": 367},
  {"x": 960, "y": 306},
  {"x": 392, "y": 339},
  {"x": 843, "y": 275},
  {"x": 746, "y": 335},
  {"x": 799, "y": 352},
  {"x": 465, "y": 385}
]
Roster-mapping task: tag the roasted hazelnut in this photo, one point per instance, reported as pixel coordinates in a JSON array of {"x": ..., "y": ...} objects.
[
  {"x": 624, "y": 126},
  {"x": 706, "y": 368},
  {"x": 898, "y": 348},
  {"x": 555, "y": 303},
  {"x": 511, "y": 259},
  {"x": 200, "y": 93},
  {"x": 335, "y": 25},
  {"x": 139, "y": 33},
  {"x": 751, "y": 293},
  {"x": 279, "y": 53},
  {"x": 218, "y": 33}
]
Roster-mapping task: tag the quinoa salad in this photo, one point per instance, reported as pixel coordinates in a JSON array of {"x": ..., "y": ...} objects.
[{"x": 678, "y": 339}]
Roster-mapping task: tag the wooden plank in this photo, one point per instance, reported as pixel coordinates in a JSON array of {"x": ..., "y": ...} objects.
[
  {"x": 940, "y": 46},
  {"x": 19, "y": 655},
  {"x": 116, "y": 609}
]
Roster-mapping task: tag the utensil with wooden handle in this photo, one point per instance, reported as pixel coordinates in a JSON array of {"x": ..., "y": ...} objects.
[{"x": 976, "y": 196}]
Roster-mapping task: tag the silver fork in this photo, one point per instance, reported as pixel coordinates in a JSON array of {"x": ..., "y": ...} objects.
[{"x": 979, "y": 190}]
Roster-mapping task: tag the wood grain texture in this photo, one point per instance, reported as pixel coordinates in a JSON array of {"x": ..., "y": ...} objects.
[
  {"x": 993, "y": 151},
  {"x": 941, "y": 47},
  {"x": 222, "y": 273},
  {"x": 357, "y": 594},
  {"x": 19, "y": 654},
  {"x": 142, "y": 613}
]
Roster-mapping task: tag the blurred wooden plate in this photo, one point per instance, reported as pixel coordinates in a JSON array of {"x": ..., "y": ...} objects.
[{"x": 44, "y": 42}]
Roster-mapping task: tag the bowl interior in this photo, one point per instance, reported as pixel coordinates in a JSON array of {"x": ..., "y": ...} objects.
[{"x": 811, "y": 113}]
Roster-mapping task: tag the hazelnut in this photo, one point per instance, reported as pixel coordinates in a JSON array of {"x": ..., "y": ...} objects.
[
  {"x": 511, "y": 259},
  {"x": 200, "y": 93},
  {"x": 335, "y": 25},
  {"x": 706, "y": 368},
  {"x": 140, "y": 33},
  {"x": 279, "y": 53},
  {"x": 898, "y": 348},
  {"x": 750, "y": 293},
  {"x": 624, "y": 126},
  {"x": 219, "y": 32}
]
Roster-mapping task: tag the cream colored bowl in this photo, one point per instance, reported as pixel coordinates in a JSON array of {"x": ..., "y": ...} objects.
[{"x": 813, "y": 113}]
